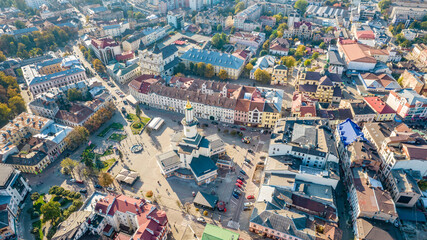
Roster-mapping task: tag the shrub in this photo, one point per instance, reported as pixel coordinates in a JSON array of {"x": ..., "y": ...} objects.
[
  {"x": 53, "y": 190},
  {"x": 35, "y": 196},
  {"x": 35, "y": 230},
  {"x": 197, "y": 209},
  {"x": 51, "y": 232},
  {"x": 205, "y": 213},
  {"x": 149, "y": 194},
  {"x": 77, "y": 203},
  {"x": 72, "y": 194},
  {"x": 56, "y": 198},
  {"x": 60, "y": 190},
  {"x": 72, "y": 208},
  {"x": 66, "y": 193},
  {"x": 35, "y": 215},
  {"x": 77, "y": 195},
  {"x": 225, "y": 130}
]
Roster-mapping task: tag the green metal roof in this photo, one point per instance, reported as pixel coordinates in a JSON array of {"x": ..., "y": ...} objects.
[{"x": 213, "y": 232}]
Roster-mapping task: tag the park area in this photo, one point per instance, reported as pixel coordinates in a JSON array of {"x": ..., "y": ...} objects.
[
  {"x": 93, "y": 159},
  {"x": 138, "y": 123},
  {"x": 114, "y": 126}
]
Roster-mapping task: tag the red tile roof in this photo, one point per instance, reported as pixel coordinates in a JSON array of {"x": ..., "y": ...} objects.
[
  {"x": 367, "y": 34},
  {"x": 103, "y": 43},
  {"x": 379, "y": 105},
  {"x": 125, "y": 56}
]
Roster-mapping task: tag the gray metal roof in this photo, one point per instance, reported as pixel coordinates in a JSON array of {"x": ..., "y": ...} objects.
[{"x": 211, "y": 57}]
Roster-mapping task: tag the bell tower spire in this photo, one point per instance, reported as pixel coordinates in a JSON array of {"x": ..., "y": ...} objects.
[{"x": 189, "y": 121}]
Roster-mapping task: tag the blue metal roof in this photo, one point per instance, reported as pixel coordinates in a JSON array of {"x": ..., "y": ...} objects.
[
  {"x": 350, "y": 132},
  {"x": 48, "y": 77},
  {"x": 202, "y": 165},
  {"x": 24, "y": 30},
  {"x": 211, "y": 57}
]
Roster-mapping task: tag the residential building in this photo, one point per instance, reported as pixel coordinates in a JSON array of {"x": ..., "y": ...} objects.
[
  {"x": 77, "y": 115},
  {"x": 318, "y": 87},
  {"x": 74, "y": 226},
  {"x": 366, "y": 37},
  {"x": 55, "y": 134},
  {"x": 301, "y": 30},
  {"x": 325, "y": 11},
  {"x": 211, "y": 19},
  {"x": 377, "y": 132},
  {"x": 152, "y": 35},
  {"x": 35, "y": 3},
  {"x": 360, "y": 111},
  {"x": 122, "y": 73},
  {"x": 303, "y": 138},
  {"x": 175, "y": 20},
  {"x": 251, "y": 13},
  {"x": 279, "y": 75},
  {"x": 44, "y": 107},
  {"x": 268, "y": 21},
  {"x": 404, "y": 149},
  {"x": 419, "y": 52},
  {"x": 54, "y": 73},
  {"x": 382, "y": 83},
  {"x": 270, "y": 115},
  {"x": 13, "y": 190},
  {"x": 403, "y": 188},
  {"x": 383, "y": 111},
  {"x": 105, "y": 49},
  {"x": 221, "y": 61},
  {"x": 142, "y": 220},
  {"x": 279, "y": 46},
  {"x": 132, "y": 43},
  {"x": 265, "y": 63},
  {"x": 404, "y": 14},
  {"x": 372, "y": 228},
  {"x": 346, "y": 133},
  {"x": 191, "y": 152},
  {"x": 414, "y": 80},
  {"x": 244, "y": 40},
  {"x": 368, "y": 200},
  {"x": 408, "y": 104},
  {"x": 211, "y": 100},
  {"x": 336, "y": 63},
  {"x": 115, "y": 30},
  {"x": 303, "y": 105},
  {"x": 159, "y": 62}
]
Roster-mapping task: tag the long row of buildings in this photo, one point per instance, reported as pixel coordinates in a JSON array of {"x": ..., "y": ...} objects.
[{"x": 228, "y": 103}]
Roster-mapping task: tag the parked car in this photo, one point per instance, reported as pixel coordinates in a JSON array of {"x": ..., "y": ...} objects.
[
  {"x": 97, "y": 186},
  {"x": 247, "y": 160},
  {"x": 235, "y": 195},
  {"x": 250, "y": 197},
  {"x": 246, "y": 208},
  {"x": 238, "y": 185},
  {"x": 243, "y": 129},
  {"x": 240, "y": 177},
  {"x": 205, "y": 125},
  {"x": 237, "y": 192},
  {"x": 242, "y": 172},
  {"x": 250, "y": 151},
  {"x": 114, "y": 97},
  {"x": 246, "y": 140},
  {"x": 239, "y": 181},
  {"x": 234, "y": 126},
  {"x": 83, "y": 190},
  {"x": 111, "y": 189},
  {"x": 247, "y": 204},
  {"x": 214, "y": 122},
  {"x": 221, "y": 206},
  {"x": 125, "y": 102},
  {"x": 80, "y": 181},
  {"x": 201, "y": 220}
]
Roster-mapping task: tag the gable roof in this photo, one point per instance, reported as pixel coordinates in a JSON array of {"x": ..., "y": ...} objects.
[{"x": 211, "y": 57}]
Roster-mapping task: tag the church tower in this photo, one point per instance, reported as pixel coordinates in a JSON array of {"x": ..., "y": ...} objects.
[{"x": 189, "y": 122}]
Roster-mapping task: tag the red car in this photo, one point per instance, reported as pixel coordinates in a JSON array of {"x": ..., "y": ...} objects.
[
  {"x": 250, "y": 197},
  {"x": 243, "y": 129},
  {"x": 239, "y": 181},
  {"x": 237, "y": 184}
]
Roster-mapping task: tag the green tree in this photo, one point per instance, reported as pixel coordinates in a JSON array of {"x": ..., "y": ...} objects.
[
  {"x": 210, "y": 71},
  {"x": 322, "y": 45},
  {"x": 77, "y": 137},
  {"x": 233, "y": 29},
  {"x": 35, "y": 196},
  {"x": 68, "y": 165},
  {"x": 384, "y": 4},
  {"x": 248, "y": 69},
  {"x": 266, "y": 45},
  {"x": 138, "y": 111},
  {"x": 105, "y": 179},
  {"x": 262, "y": 76},
  {"x": 307, "y": 62},
  {"x": 19, "y": 24},
  {"x": 201, "y": 69},
  {"x": 289, "y": 62},
  {"x": 98, "y": 66},
  {"x": 179, "y": 68},
  {"x": 218, "y": 40},
  {"x": 240, "y": 6},
  {"x": 74, "y": 95},
  {"x": 219, "y": 28},
  {"x": 17, "y": 104},
  {"x": 223, "y": 74},
  {"x": 301, "y": 5},
  {"x": 315, "y": 55},
  {"x": 263, "y": 53},
  {"x": 51, "y": 211},
  {"x": 2, "y": 57}
]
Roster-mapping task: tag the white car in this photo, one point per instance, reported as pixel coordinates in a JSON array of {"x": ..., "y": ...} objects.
[
  {"x": 201, "y": 220},
  {"x": 247, "y": 204}
]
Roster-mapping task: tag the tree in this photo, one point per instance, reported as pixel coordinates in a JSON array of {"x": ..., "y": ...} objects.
[
  {"x": 315, "y": 55},
  {"x": 266, "y": 45},
  {"x": 138, "y": 111},
  {"x": 219, "y": 28},
  {"x": 218, "y": 40},
  {"x": 288, "y": 61},
  {"x": 74, "y": 95},
  {"x": 99, "y": 67},
  {"x": 223, "y": 74},
  {"x": 35, "y": 196},
  {"x": 17, "y": 104},
  {"x": 307, "y": 62},
  {"x": 68, "y": 165},
  {"x": 5, "y": 112},
  {"x": 262, "y": 76},
  {"x": 301, "y": 5},
  {"x": 322, "y": 45},
  {"x": 105, "y": 179},
  {"x": 384, "y": 4},
  {"x": 77, "y": 137},
  {"x": 233, "y": 29},
  {"x": 2, "y": 57},
  {"x": 209, "y": 71},
  {"x": 240, "y": 6},
  {"x": 51, "y": 211},
  {"x": 201, "y": 68},
  {"x": 179, "y": 68},
  {"x": 248, "y": 69},
  {"x": 19, "y": 24},
  {"x": 263, "y": 53}
]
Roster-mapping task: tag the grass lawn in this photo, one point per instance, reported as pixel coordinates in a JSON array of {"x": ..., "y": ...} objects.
[
  {"x": 38, "y": 204},
  {"x": 137, "y": 124},
  {"x": 108, "y": 151},
  {"x": 117, "y": 137},
  {"x": 116, "y": 126},
  {"x": 107, "y": 164},
  {"x": 38, "y": 224}
]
